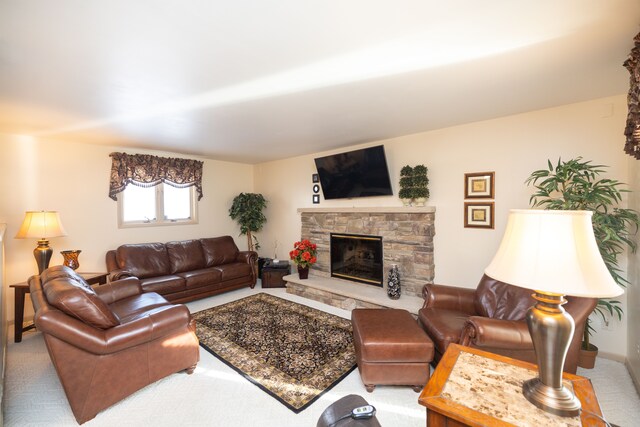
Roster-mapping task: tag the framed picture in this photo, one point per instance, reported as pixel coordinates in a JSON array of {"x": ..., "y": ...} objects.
[
  {"x": 316, "y": 199},
  {"x": 478, "y": 215},
  {"x": 315, "y": 177},
  {"x": 479, "y": 185},
  {"x": 316, "y": 188}
]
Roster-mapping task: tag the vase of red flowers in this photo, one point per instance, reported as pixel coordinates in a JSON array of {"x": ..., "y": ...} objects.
[{"x": 304, "y": 256}]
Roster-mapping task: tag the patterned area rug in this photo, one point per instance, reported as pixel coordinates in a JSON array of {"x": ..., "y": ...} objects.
[{"x": 293, "y": 352}]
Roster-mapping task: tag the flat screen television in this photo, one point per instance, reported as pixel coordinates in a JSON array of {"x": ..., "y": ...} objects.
[{"x": 359, "y": 173}]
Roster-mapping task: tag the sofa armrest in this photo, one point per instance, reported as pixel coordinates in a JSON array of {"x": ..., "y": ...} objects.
[
  {"x": 120, "y": 289},
  {"x": 496, "y": 333},
  {"x": 250, "y": 257},
  {"x": 449, "y": 298},
  {"x": 119, "y": 274},
  {"x": 157, "y": 323}
]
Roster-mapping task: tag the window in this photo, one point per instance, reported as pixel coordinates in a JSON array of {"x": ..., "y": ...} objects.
[{"x": 158, "y": 205}]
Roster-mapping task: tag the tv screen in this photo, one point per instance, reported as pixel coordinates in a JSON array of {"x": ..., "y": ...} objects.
[{"x": 359, "y": 173}]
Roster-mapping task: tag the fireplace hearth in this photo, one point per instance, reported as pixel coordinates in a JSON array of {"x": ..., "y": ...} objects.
[{"x": 357, "y": 257}]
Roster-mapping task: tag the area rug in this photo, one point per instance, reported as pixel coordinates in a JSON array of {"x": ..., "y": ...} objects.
[{"x": 293, "y": 352}]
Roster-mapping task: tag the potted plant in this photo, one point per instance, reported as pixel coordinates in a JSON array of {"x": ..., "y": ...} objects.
[
  {"x": 406, "y": 184},
  {"x": 576, "y": 185},
  {"x": 246, "y": 209},
  {"x": 420, "y": 185},
  {"x": 304, "y": 255}
]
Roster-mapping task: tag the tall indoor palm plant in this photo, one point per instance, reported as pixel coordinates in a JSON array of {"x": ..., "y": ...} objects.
[{"x": 576, "y": 185}]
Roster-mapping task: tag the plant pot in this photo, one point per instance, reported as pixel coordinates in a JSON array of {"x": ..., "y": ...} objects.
[
  {"x": 420, "y": 201},
  {"x": 587, "y": 358},
  {"x": 406, "y": 202},
  {"x": 303, "y": 272}
]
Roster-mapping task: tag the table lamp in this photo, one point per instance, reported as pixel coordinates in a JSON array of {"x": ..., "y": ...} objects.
[
  {"x": 41, "y": 225},
  {"x": 554, "y": 253}
]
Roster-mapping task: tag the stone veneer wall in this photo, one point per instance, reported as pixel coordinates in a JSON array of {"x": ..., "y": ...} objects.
[{"x": 407, "y": 239}]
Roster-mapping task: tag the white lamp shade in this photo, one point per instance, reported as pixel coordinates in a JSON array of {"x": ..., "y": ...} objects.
[
  {"x": 41, "y": 225},
  {"x": 554, "y": 252}
]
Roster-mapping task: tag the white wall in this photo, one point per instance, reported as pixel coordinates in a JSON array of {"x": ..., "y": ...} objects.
[
  {"x": 512, "y": 146},
  {"x": 74, "y": 180}
]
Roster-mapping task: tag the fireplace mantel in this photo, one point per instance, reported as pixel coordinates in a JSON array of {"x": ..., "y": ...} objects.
[{"x": 371, "y": 209}]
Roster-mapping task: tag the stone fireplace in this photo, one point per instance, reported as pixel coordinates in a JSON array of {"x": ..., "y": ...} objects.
[
  {"x": 357, "y": 257},
  {"x": 407, "y": 240}
]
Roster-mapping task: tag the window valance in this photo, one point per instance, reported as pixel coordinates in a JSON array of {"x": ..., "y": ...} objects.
[
  {"x": 632, "y": 130},
  {"x": 147, "y": 171}
]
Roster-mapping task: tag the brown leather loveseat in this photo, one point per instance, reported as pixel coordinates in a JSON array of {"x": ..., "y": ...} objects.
[
  {"x": 185, "y": 270},
  {"x": 492, "y": 318},
  {"x": 110, "y": 341}
]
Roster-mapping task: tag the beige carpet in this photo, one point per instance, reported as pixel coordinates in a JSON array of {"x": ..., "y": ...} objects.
[{"x": 215, "y": 395}]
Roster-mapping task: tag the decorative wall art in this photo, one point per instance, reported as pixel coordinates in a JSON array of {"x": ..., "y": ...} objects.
[
  {"x": 479, "y": 215},
  {"x": 316, "y": 189},
  {"x": 479, "y": 185}
]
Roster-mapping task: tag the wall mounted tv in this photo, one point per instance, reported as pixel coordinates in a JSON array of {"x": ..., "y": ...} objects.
[{"x": 359, "y": 173}]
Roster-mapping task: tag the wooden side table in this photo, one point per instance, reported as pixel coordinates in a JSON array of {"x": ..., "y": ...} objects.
[
  {"x": 22, "y": 289},
  {"x": 471, "y": 387}
]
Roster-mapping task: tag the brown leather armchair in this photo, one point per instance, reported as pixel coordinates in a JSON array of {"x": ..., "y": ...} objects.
[
  {"x": 492, "y": 318},
  {"x": 108, "y": 342}
]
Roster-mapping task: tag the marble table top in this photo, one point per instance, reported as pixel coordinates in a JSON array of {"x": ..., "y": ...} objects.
[{"x": 495, "y": 388}]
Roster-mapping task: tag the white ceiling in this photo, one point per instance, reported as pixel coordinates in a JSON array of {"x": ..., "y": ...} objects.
[{"x": 257, "y": 80}]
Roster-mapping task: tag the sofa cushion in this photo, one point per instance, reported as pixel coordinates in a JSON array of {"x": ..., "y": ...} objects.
[
  {"x": 131, "y": 308},
  {"x": 198, "y": 278},
  {"x": 234, "y": 271},
  {"x": 163, "y": 284},
  {"x": 443, "y": 326},
  {"x": 500, "y": 300},
  {"x": 144, "y": 260},
  {"x": 185, "y": 255},
  {"x": 219, "y": 250},
  {"x": 62, "y": 271},
  {"x": 75, "y": 299}
]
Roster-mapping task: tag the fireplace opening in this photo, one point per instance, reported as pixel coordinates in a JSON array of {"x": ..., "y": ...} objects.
[{"x": 357, "y": 257}]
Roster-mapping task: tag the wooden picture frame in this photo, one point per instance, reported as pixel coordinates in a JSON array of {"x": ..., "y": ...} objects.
[
  {"x": 479, "y": 185},
  {"x": 479, "y": 215}
]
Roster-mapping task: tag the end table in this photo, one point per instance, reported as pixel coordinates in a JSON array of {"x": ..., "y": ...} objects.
[
  {"x": 22, "y": 288},
  {"x": 471, "y": 387}
]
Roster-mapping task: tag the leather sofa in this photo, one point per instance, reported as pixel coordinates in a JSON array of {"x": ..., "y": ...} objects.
[
  {"x": 492, "y": 318},
  {"x": 185, "y": 270},
  {"x": 110, "y": 341}
]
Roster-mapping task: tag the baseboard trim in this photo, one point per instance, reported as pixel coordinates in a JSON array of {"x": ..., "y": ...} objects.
[
  {"x": 634, "y": 378},
  {"x": 612, "y": 356}
]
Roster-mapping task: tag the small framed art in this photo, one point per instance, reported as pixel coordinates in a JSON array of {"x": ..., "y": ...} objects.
[
  {"x": 315, "y": 177},
  {"x": 316, "y": 199},
  {"x": 479, "y": 215},
  {"x": 479, "y": 185}
]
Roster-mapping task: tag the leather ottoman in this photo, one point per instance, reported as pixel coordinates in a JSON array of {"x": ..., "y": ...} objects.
[{"x": 391, "y": 349}]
